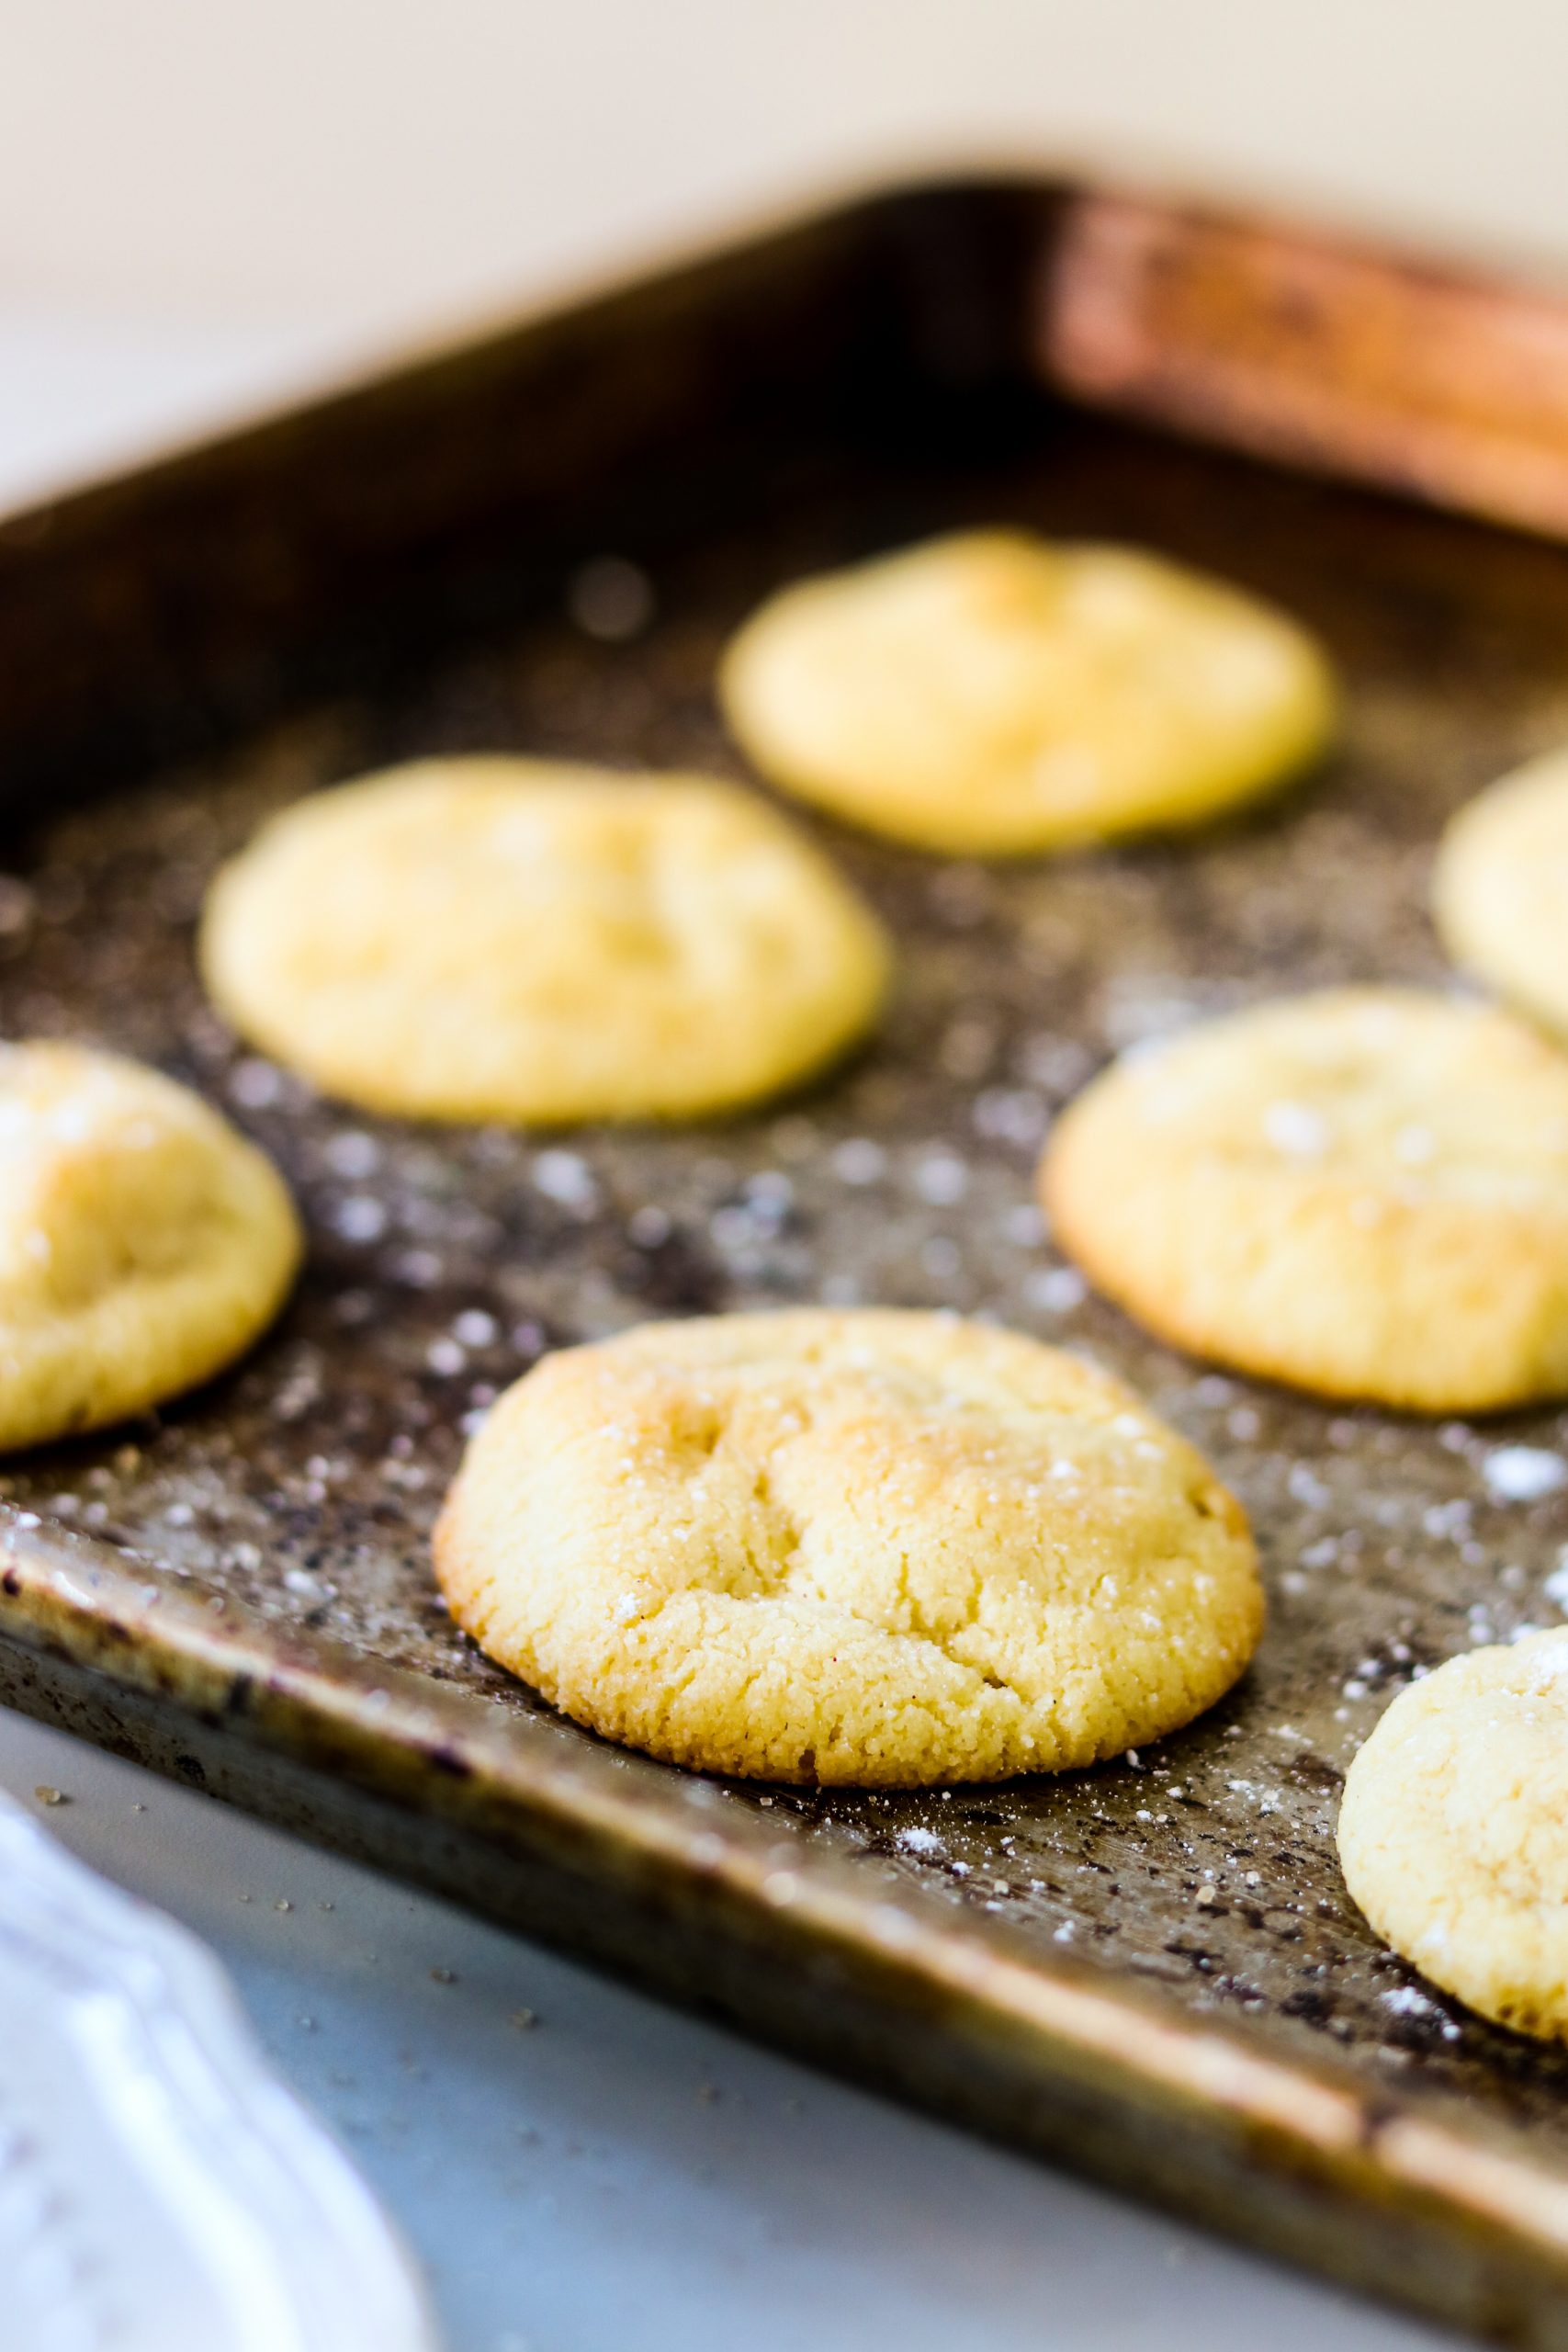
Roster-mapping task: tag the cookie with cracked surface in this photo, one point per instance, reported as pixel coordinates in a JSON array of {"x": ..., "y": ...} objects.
[
  {"x": 1363, "y": 1192},
  {"x": 992, "y": 694},
  {"x": 516, "y": 940},
  {"x": 143, "y": 1243},
  {"x": 1500, "y": 893},
  {"x": 863, "y": 1547},
  {"x": 1453, "y": 1832}
]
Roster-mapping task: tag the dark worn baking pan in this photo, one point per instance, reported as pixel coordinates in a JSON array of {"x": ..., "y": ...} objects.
[{"x": 1151, "y": 1970}]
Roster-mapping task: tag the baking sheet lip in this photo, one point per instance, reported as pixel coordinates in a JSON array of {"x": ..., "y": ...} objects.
[
  {"x": 400, "y": 365},
  {"x": 931, "y": 173},
  {"x": 70, "y": 1595}
]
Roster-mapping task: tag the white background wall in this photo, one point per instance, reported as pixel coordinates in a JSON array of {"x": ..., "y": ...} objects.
[{"x": 300, "y": 176}]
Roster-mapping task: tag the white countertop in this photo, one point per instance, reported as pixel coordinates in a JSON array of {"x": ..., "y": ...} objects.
[{"x": 616, "y": 2174}]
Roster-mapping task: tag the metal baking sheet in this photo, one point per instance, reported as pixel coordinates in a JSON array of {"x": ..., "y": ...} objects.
[{"x": 1152, "y": 1970}]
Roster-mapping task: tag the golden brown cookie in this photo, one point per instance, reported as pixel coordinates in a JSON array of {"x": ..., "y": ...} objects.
[
  {"x": 866, "y": 1547},
  {"x": 514, "y": 940},
  {"x": 993, "y": 693},
  {"x": 1363, "y": 1192},
  {"x": 1501, "y": 889},
  {"x": 1453, "y": 1834},
  {"x": 143, "y": 1243}
]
